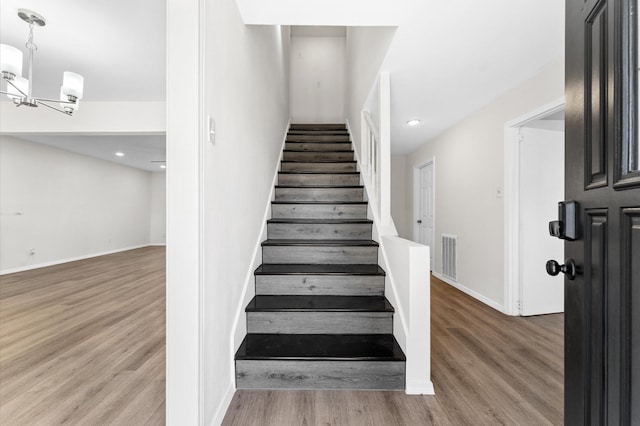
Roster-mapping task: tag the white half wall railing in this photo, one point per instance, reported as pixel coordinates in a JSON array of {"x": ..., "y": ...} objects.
[{"x": 406, "y": 262}]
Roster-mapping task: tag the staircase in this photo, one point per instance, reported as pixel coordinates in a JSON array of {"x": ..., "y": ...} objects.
[{"x": 319, "y": 319}]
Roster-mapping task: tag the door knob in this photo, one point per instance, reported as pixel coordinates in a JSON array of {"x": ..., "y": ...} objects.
[
  {"x": 419, "y": 221},
  {"x": 569, "y": 268}
]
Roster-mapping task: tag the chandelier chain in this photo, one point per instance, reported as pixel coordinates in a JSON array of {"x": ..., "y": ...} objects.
[{"x": 30, "y": 44}]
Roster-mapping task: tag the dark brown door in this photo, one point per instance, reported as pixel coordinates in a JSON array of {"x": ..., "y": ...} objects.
[{"x": 602, "y": 303}]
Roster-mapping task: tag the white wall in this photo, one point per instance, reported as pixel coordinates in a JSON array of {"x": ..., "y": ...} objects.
[
  {"x": 317, "y": 79},
  {"x": 158, "y": 209},
  {"x": 65, "y": 205},
  {"x": 470, "y": 171},
  {"x": 398, "y": 194},
  {"x": 366, "y": 49},
  {"x": 247, "y": 93}
]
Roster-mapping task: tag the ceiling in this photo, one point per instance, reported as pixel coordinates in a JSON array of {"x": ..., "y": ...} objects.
[{"x": 447, "y": 59}]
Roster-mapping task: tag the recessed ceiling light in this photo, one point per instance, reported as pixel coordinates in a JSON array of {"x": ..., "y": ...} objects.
[
  {"x": 119, "y": 154},
  {"x": 162, "y": 166},
  {"x": 413, "y": 122}
]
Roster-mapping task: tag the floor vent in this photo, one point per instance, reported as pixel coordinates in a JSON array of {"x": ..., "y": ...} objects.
[{"x": 449, "y": 256}]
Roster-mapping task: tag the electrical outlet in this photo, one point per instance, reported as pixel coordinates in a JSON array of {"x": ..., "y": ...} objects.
[
  {"x": 499, "y": 192},
  {"x": 32, "y": 251}
]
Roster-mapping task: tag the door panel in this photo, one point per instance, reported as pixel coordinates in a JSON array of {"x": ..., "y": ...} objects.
[
  {"x": 596, "y": 161},
  {"x": 425, "y": 214},
  {"x": 602, "y": 303}
]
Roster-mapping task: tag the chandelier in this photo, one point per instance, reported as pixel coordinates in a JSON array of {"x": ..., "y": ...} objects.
[{"x": 20, "y": 89}]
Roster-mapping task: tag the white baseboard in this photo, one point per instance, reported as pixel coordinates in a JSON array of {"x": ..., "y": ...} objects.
[
  {"x": 67, "y": 260},
  {"x": 224, "y": 406},
  {"x": 419, "y": 387},
  {"x": 158, "y": 244},
  {"x": 470, "y": 292}
]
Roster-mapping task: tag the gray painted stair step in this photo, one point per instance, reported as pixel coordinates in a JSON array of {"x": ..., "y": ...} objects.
[
  {"x": 317, "y": 126},
  {"x": 298, "y": 361},
  {"x": 317, "y": 138},
  {"x": 364, "y": 375},
  {"x": 338, "y": 280},
  {"x": 320, "y": 322},
  {"x": 319, "y": 315},
  {"x": 318, "y": 132},
  {"x": 320, "y": 251},
  {"x": 292, "y": 193},
  {"x": 319, "y": 229},
  {"x": 321, "y": 167},
  {"x": 319, "y": 179},
  {"x": 317, "y": 156},
  {"x": 319, "y": 210},
  {"x": 318, "y": 146}
]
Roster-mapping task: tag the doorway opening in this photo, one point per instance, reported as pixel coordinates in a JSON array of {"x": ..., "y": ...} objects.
[{"x": 534, "y": 183}]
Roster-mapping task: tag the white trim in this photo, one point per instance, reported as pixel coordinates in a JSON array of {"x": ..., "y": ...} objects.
[
  {"x": 256, "y": 260},
  {"x": 203, "y": 138},
  {"x": 512, "y": 202},
  {"x": 158, "y": 244},
  {"x": 414, "y": 387},
  {"x": 224, "y": 406},
  {"x": 472, "y": 293},
  {"x": 69, "y": 259}
]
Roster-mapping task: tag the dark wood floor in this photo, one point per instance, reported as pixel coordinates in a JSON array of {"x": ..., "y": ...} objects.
[
  {"x": 83, "y": 343},
  {"x": 487, "y": 369}
]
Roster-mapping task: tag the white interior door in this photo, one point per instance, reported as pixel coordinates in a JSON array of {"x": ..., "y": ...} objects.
[
  {"x": 424, "y": 221},
  {"x": 541, "y": 186}
]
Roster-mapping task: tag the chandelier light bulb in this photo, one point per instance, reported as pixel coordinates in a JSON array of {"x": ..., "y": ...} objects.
[
  {"x": 10, "y": 61},
  {"x": 72, "y": 84}
]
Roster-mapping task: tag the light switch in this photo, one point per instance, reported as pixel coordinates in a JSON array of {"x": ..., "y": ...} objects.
[{"x": 211, "y": 130}]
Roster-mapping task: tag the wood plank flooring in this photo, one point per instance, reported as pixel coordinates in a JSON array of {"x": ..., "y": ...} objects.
[
  {"x": 487, "y": 369},
  {"x": 83, "y": 343}
]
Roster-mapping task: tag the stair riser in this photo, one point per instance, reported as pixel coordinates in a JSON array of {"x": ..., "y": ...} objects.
[
  {"x": 318, "y": 126},
  {"x": 311, "y": 146},
  {"x": 302, "y": 285},
  {"x": 318, "y": 167},
  {"x": 267, "y": 374},
  {"x": 320, "y": 322},
  {"x": 318, "y": 255},
  {"x": 319, "y": 211},
  {"x": 317, "y": 138},
  {"x": 318, "y": 132},
  {"x": 319, "y": 194},
  {"x": 317, "y": 156},
  {"x": 314, "y": 179},
  {"x": 303, "y": 231}
]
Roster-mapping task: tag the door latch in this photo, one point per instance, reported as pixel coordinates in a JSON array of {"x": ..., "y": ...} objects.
[{"x": 566, "y": 227}]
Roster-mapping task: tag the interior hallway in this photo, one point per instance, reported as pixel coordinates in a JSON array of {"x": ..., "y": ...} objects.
[{"x": 487, "y": 369}]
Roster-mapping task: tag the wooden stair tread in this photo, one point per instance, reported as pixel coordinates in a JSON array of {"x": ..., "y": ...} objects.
[
  {"x": 320, "y": 221},
  {"x": 322, "y": 269},
  {"x": 333, "y": 243},
  {"x": 319, "y": 173},
  {"x": 321, "y": 202},
  {"x": 320, "y": 186},
  {"x": 325, "y": 303},
  {"x": 318, "y": 161},
  {"x": 321, "y": 347}
]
